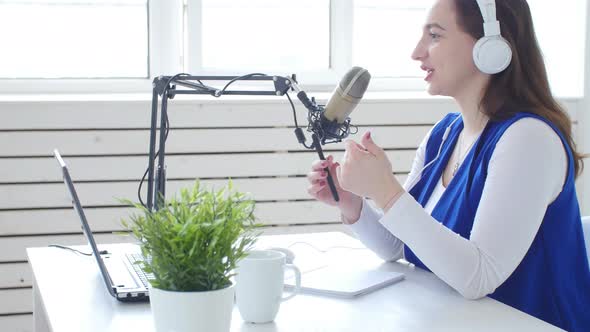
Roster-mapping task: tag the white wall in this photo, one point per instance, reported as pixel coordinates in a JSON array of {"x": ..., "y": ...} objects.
[{"x": 104, "y": 138}]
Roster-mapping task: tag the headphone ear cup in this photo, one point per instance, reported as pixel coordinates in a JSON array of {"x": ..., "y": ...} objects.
[{"x": 492, "y": 54}]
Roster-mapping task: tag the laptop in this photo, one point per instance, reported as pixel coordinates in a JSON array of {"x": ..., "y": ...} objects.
[{"x": 123, "y": 277}]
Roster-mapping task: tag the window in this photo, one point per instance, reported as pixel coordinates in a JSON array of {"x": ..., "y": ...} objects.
[
  {"x": 561, "y": 32},
  {"x": 256, "y": 35},
  {"x": 74, "y": 39},
  {"x": 385, "y": 34},
  {"x": 319, "y": 40},
  {"x": 377, "y": 34}
]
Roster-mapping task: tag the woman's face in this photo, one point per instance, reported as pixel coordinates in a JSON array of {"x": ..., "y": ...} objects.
[{"x": 445, "y": 52}]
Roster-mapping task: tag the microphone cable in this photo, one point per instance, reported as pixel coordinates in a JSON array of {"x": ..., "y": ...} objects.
[{"x": 219, "y": 93}]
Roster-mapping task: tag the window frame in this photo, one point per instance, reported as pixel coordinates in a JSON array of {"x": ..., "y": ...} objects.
[
  {"x": 167, "y": 56},
  {"x": 341, "y": 34},
  {"x": 158, "y": 62},
  {"x": 316, "y": 80}
]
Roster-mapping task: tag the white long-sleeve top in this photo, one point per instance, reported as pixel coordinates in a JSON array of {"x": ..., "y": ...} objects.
[{"x": 526, "y": 173}]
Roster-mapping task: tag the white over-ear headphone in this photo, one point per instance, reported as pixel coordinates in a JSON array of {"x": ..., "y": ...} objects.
[{"x": 491, "y": 53}]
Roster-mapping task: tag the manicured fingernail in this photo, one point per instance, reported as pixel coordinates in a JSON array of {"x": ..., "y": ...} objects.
[{"x": 322, "y": 183}]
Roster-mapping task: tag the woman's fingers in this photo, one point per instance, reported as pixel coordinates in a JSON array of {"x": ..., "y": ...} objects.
[
  {"x": 315, "y": 188},
  {"x": 354, "y": 150},
  {"x": 333, "y": 172},
  {"x": 319, "y": 172},
  {"x": 316, "y": 176},
  {"x": 321, "y": 164},
  {"x": 318, "y": 165}
]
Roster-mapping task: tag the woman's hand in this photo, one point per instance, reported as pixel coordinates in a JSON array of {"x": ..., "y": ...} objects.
[
  {"x": 349, "y": 204},
  {"x": 366, "y": 171}
]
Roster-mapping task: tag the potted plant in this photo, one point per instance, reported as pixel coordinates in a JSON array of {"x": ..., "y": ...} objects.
[{"x": 191, "y": 246}]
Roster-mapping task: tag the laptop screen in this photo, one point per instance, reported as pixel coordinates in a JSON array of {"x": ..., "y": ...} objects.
[{"x": 85, "y": 227}]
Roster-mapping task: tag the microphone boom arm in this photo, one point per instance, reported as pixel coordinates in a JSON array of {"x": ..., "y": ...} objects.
[{"x": 167, "y": 87}]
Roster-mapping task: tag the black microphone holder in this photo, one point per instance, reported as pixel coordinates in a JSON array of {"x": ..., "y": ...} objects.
[{"x": 329, "y": 131}]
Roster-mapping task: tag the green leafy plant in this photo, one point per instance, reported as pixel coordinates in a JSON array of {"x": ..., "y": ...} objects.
[{"x": 194, "y": 242}]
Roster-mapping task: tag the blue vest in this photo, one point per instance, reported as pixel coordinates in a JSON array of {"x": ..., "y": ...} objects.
[{"x": 553, "y": 280}]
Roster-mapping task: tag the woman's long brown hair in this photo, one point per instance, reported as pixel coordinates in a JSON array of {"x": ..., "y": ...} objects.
[{"x": 523, "y": 86}]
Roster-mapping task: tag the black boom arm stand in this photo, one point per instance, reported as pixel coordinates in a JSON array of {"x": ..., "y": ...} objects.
[{"x": 166, "y": 87}]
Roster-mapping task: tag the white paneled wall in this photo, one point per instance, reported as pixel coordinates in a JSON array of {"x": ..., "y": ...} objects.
[{"x": 105, "y": 143}]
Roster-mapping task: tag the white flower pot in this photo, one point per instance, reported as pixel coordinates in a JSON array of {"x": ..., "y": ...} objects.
[{"x": 209, "y": 311}]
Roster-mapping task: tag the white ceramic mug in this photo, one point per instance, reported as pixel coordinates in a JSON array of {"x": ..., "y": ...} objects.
[{"x": 260, "y": 279}]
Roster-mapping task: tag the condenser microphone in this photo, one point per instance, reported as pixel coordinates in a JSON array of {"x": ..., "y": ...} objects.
[
  {"x": 331, "y": 123},
  {"x": 347, "y": 94}
]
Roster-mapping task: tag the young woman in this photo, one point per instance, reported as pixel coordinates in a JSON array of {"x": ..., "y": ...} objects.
[{"x": 490, "y": 205}]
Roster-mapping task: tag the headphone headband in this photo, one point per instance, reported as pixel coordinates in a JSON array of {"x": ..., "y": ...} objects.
[{"x": 491, "y": 26}]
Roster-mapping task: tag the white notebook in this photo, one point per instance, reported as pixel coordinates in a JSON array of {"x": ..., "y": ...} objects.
[{"x": 344, "y": 281}]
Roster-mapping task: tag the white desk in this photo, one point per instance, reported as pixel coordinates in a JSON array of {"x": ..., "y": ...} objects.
[{"x": 70, "y": 295}]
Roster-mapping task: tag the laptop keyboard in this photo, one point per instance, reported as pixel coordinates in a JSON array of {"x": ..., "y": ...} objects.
[{"x": 143, "y": 276}]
